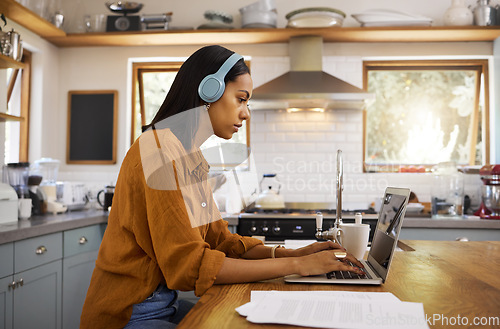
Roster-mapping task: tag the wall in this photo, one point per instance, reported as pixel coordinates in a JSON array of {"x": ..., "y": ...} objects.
[{"x": 57, "y": 71}]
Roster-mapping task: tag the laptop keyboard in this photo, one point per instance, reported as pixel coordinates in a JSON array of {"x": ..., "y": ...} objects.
[{"x": 346, "y": 274}]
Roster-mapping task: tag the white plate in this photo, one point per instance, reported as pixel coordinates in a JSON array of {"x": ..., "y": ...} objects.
[
  {"x": 385, "y": 17},
  {"x": 397, "y": 23},
  {"x": 315, "y": 19}
]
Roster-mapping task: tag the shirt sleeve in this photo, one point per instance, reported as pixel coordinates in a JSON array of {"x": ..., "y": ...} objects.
[
  {"x": 232, "y": 245},
  {"x": 184, "y": 257}
]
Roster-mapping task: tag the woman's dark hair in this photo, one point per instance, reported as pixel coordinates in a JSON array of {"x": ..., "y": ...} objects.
[{"x": 183, "y": 94}]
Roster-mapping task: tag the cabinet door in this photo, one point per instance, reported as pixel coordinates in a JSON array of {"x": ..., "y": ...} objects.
[
  {"x": 37, "y": 303},
  {"x": 6, "y": 294},
  {"x": 77, "y": 271}
]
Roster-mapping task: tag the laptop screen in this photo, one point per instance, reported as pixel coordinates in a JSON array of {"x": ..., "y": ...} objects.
[{"x": 388, "y": 226}]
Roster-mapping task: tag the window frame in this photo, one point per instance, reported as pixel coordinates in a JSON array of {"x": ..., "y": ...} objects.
[
  {"x": 25, "y": 94},
  {"x": 480, "y": 65},
  {"x": 138, "y": 68}
]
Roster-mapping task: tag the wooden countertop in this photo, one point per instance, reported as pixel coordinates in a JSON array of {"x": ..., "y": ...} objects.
[{"x": 450, "y": 278}]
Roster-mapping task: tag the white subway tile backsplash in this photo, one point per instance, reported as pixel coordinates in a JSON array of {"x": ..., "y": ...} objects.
[
  {"x": 301, "y": 147},
  {"x": 275, "y": 137},
  {"x": 285, "y": 126}
]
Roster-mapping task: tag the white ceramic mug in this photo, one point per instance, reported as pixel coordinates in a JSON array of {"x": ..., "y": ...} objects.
[
  {"x": 24, "y": 207},
  {"x": 355, "y": 238}
]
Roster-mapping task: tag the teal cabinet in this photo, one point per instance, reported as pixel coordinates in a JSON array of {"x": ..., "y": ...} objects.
[
  {"x": 6, "y": 300},
  {"x": 30, "y": 295},
  {"x": 37, "y": 300},
  {"x": 81, "y": 247},
  {"x": 44, "y": 280}
]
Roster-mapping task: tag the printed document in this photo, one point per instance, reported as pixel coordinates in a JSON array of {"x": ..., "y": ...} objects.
[{"x": 333, "y": 309}]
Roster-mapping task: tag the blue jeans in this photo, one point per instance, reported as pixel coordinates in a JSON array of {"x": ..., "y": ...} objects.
[{"x": 161, "y": 310}]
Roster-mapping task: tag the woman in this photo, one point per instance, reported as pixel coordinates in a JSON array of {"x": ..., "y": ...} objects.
[{"x": 164, "y": 231}]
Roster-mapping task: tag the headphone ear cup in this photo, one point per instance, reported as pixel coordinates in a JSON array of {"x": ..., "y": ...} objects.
[{"x": 211, "y": 88}]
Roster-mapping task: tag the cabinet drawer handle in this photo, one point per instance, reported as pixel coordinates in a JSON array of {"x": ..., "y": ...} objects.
[
  {"x": 41, "y": 250},
  {"x": 12, "y": 285},
  {"x": 83, "y": 240},
  {"x": 20, "y": 283}
]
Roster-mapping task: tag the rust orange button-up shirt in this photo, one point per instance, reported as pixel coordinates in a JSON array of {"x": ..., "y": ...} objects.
[{"x": 150, "y": 238}]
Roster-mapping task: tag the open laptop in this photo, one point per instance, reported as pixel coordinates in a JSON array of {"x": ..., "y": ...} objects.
[{"x": 385, "y": 238}]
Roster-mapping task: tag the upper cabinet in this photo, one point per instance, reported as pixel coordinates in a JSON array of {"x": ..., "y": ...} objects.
[{"x": 58, "y": 37}]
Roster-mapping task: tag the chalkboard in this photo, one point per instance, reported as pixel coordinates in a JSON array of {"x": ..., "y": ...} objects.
[{"x": 92, "y": 126}]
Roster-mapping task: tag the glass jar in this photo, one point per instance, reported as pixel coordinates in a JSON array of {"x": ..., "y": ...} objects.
[{"x": 447, "y": 192}]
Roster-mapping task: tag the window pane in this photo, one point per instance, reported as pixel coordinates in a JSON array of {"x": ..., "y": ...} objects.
[
  {"x": 421, "y": 117},
  {"x": 220, "y": 153},
  {"x": 156, "y": 87}
]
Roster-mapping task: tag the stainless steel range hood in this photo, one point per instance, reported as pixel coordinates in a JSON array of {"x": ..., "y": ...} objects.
[{"x": 306, "y": 86}]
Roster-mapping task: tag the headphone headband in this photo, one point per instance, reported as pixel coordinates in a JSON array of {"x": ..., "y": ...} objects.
[{"x": 212, "y": 86}]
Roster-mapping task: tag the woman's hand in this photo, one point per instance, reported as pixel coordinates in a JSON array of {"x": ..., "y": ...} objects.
[
  {"x": 326, "y": 261},
  {"x": 316, "y": 247}
]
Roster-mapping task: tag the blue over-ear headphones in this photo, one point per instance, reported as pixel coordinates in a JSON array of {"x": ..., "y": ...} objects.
[{"x": 212, "y": 86}]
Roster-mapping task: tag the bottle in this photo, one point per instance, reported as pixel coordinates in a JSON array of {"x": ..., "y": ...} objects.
[
  {"x": 484, "y": 14},
  {"x": 458, "y": 14}
]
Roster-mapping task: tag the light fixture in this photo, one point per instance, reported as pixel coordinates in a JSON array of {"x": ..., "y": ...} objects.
[{"x": 305, "y": 109}]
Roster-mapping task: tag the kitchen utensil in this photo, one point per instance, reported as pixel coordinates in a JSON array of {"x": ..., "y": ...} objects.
[
  {"x": 124, "y": 23},
  {"x": 447, "y": 192},
  {"x": 58, "y": 19},
  {"x": 217, "y": 20},
  {"x": 8, "y": 204},
  {"x": 124, "y": 7},
  {"x": 261, "y": 14},
  {"x": 5, "y": 46},
  {"x": 355, "y": 237},
  {"x": 24, "y": 207},
  {"x": 315, "y": 17},
  {"x": 109, "y": 192},
  {"x": 490, "y": 190},
  {"x": 72, "y": 194},
  {"x": 458, "y": 14},
  {"x": 17, "y": 174},
  {"x": 387, "y": 17},
  {"x": 269, "y": 198},
  {"x": 156, "y": 21},
  {"x": 484, "y": 14},
  {"x": 48, "y": 168}
]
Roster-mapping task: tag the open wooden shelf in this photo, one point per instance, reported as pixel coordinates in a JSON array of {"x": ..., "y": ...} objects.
[
  {"x": 7, "y": 117},
  {"x": 7, "y": 62},
  {"x": 25, "y": 17},
  {"x": 256, "y": 36}
]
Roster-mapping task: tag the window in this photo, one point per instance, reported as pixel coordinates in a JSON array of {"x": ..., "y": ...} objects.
[
  {"x": 18, "y": 99},
  {"x": 151, "y": 83},
  {"x": 426, "y": 112}
]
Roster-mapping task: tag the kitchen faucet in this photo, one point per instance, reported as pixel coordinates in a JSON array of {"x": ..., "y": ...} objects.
[{"x": 334, "y": 233}]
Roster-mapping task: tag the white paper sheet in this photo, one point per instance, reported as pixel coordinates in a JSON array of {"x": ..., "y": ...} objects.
[{"x": 333, "y": 309}]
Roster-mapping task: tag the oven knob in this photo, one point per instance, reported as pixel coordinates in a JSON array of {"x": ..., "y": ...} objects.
[
  {"x": 253, "y": 229},
  {"x": 265, "y": 229},
  {"x": 276, "y": 229}
]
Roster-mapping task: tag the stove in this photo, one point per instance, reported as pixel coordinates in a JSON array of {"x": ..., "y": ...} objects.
[{"x": 297, "y": 221}]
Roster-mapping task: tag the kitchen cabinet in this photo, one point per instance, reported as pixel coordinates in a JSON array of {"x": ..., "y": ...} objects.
[
  {"x": 58, "y": 37},
  {"x": 30, "y": 295},
  {"x": 44, "y": 279},
  {"x": 81, "y": 247}
]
